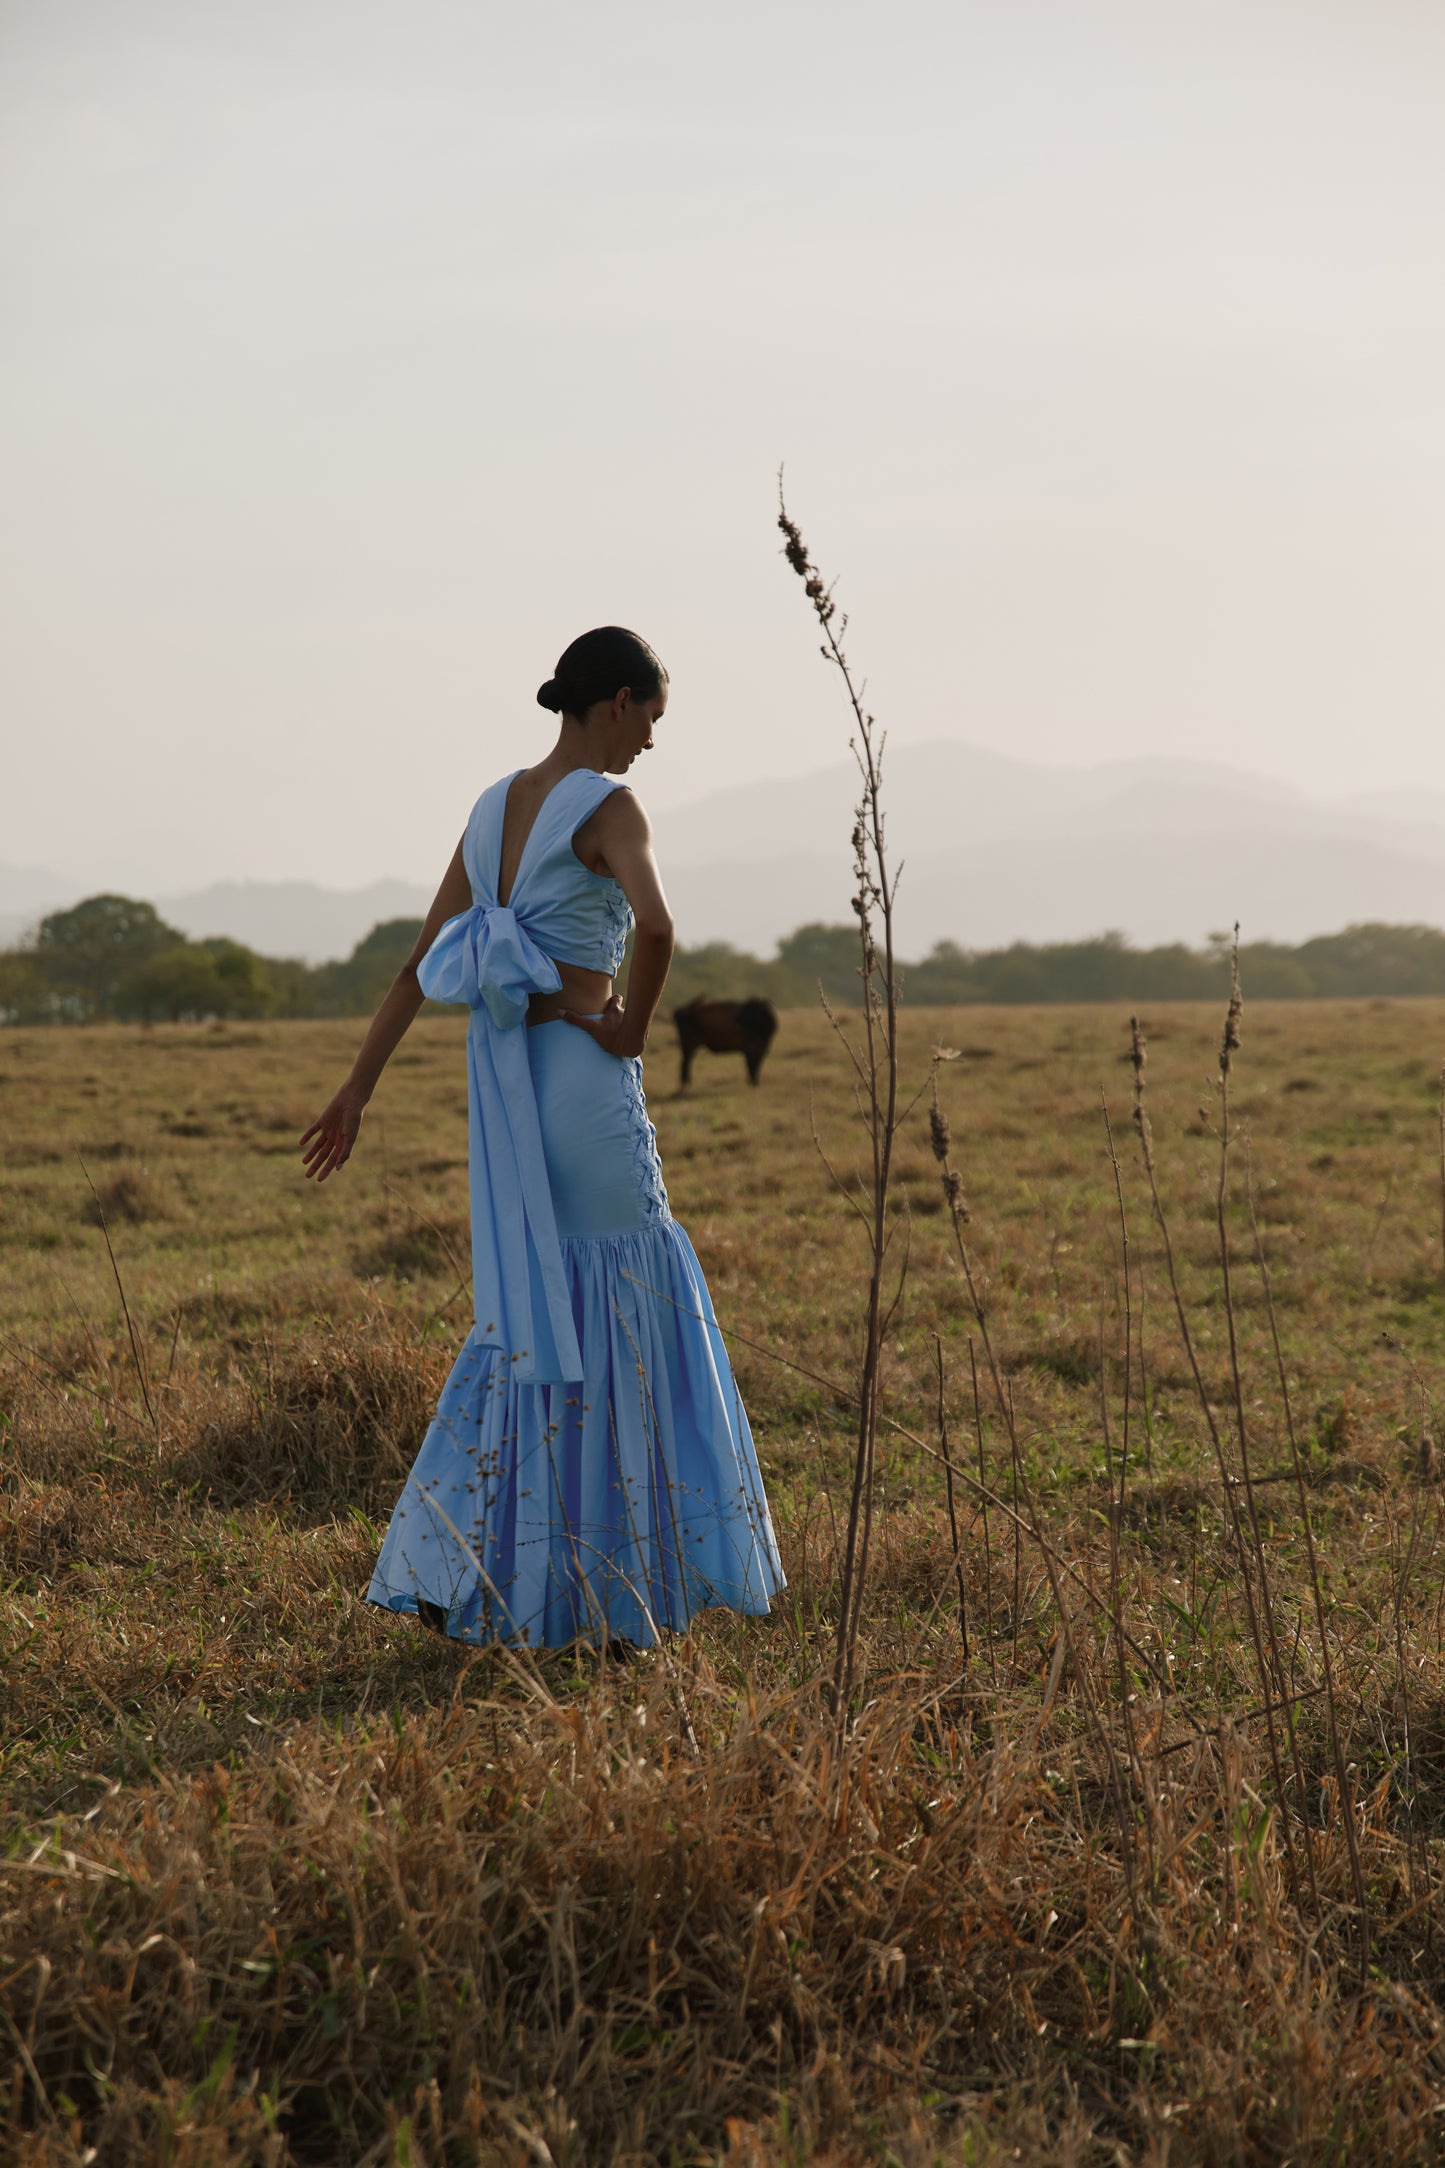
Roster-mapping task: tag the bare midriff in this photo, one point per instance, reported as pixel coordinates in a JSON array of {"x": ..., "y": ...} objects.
[{"x": 585, "y": 993}]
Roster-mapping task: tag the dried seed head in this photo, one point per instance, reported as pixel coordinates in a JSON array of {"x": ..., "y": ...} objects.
[
  {"x": 1229, "y": 1043},
  {"x": 793, "y": 547},
  {"x": 953, "y": 1191},
  {"x": 1138, "y": 1055},
  {"x": 795, "y": 550},
  {"x": 938, "y": 1131}
]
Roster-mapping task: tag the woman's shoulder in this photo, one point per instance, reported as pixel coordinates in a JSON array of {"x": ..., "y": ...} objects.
[
  {"x": 610, "y": 790},
  {"x": 621, "y": 807},
  {"x": 613, "y": 809}
]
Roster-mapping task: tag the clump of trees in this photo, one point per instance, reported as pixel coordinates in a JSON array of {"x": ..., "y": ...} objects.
[{"x": 115, "y": 958}]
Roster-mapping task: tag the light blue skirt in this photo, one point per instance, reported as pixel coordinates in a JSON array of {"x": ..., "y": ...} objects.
[{"x": 619, "y": 1504}]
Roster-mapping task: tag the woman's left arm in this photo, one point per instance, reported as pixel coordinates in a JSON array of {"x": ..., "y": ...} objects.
[{"x": 622, "y": 834}]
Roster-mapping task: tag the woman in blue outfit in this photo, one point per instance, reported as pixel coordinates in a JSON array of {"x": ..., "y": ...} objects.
[{"x": 589, "y": 1473}]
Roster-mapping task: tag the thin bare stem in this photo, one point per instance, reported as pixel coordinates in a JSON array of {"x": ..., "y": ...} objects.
[
  {"x": 983, "y": 1494},
  {"x": 1271, "y": 1674},
  {"x": 1116, "y": 1593},
  {"x": 944, "y": 1449},
  {"x": 140, "y": 1368},
  {"x": 1337, "y": 1753},
  {"x": 1128, "y": 1298}
]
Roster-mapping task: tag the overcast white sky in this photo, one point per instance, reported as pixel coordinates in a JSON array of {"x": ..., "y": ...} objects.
[{"x": 356, "y": 356}]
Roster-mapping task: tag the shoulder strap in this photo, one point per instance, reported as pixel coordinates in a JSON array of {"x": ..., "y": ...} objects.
[
  {"x": 575, "y": 799},
  {"x": 482, "y": 840},
  {"x": 590, "y": 788}
]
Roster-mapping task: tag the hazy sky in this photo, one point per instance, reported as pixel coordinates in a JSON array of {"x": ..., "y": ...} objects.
[{"x": 357, "y": 356}]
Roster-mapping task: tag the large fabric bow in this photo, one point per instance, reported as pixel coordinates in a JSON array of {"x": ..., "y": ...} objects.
[
  {"x": 486, "y": 955},
  {"x": 486, "y": 958}
]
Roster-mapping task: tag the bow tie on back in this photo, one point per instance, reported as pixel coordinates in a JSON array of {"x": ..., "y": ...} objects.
[{"x": 486, "y": 958}]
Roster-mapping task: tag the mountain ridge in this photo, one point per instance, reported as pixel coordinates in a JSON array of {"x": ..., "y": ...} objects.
[{"x": 993, "y": 849}]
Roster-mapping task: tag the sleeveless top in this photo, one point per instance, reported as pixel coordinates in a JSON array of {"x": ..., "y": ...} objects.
[{"x": 493, "y": 958}]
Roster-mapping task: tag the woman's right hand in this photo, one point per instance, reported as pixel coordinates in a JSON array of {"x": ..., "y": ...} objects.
[
  {"x": 615, "y": 1032},
  {"x": 327, "y": 1143}
]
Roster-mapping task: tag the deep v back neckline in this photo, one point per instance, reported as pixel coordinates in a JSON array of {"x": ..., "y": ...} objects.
[{"x": 537, "y": 819}]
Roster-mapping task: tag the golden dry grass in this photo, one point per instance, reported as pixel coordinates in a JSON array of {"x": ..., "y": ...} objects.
[{"x": 282, "y": 1879}]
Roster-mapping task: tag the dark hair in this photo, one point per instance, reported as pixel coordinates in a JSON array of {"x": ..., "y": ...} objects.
[{"x": 596, "y": 667}]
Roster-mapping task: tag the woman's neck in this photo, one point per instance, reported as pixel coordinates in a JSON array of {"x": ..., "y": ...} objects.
[{"x": 577, "y": 747}]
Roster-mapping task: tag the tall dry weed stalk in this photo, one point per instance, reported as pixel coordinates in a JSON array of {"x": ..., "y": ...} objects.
[
  {"x": 875, "y": 1063},
  {"x": 1254, "y": 1565},
  {"x": 1278, "y": 1701}
]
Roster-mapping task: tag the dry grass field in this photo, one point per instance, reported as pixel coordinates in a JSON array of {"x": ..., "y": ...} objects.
[{"x": 286, "y": 1880}]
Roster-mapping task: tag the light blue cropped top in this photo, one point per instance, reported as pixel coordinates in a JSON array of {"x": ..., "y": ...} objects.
[
  {"x": 573, "y": 914},
  {"x": 494, "y": 958}
]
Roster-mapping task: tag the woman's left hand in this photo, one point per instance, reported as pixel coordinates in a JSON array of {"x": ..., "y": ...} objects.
[
  {"x": 327, "y": 1143},
  {"x": 613, "y": 1030}
]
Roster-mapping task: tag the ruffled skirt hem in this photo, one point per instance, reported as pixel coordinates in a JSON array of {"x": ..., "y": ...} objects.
[{"x": 611, "y": 1508}]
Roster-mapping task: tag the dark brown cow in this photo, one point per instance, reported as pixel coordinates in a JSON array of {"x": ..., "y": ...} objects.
[{"x": 726, "y": 1027}]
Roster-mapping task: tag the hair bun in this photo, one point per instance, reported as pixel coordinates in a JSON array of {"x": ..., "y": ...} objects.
[{"x": 596, "y": 667}]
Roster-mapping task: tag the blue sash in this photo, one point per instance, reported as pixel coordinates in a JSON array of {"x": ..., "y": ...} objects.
[{"x": 486, "y": 959}]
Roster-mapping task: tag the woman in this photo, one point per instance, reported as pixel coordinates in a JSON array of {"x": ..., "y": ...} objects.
[{"x": 589, "y": 1473}]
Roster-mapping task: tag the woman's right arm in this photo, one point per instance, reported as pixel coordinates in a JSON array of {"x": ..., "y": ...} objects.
[
  {"x": 327, "y": 1143},
  {"x": 623, "y": 835}
]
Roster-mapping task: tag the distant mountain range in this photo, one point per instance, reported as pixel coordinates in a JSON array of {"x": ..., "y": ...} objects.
[
  {"x": 293, "y": 918},
  {"x": 996, "y": 850},
  {"x": 993, "y": 850}
]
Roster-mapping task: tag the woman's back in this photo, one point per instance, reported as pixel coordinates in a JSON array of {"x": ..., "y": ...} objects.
[{"x": 574, "y": 915}]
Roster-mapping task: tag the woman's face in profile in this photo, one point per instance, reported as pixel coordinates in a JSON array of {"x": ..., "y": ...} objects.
[{"x": 634, "y": 725}]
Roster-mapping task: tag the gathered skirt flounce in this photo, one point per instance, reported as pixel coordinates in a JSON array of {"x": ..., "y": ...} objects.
[{"x": 613, "y": 1507}]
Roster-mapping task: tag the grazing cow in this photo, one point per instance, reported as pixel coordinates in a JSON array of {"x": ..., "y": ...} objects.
[{"x": 726, "y": 1027}]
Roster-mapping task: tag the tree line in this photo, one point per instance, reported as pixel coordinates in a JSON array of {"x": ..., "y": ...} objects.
[
  {"x": 1362, "y": 962},
  {"x": 115, "y": 958}
]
